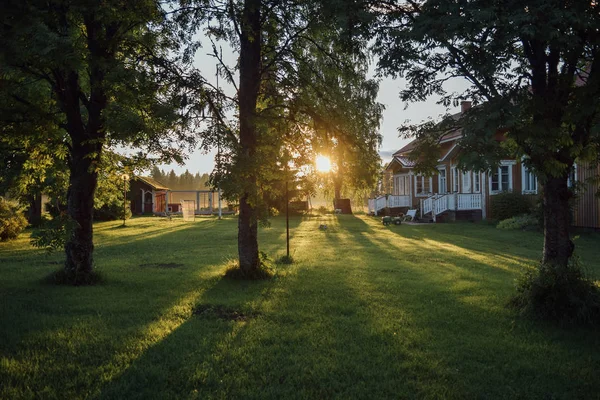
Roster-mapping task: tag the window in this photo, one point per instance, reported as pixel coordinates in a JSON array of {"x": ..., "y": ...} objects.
[
  {"x": 529, "y": 180},
  {"x": 442, "y": 181},
  {"x": 572, "y": 176},
  {"x": 422, "y": 186},
  {"x": 501, "y": 179},
  {"x": 466, "y": 182},
  {"x": 454, "y": 180},
  {"x": 476, "y": 182},
  {"x": 401, "y": 185}
]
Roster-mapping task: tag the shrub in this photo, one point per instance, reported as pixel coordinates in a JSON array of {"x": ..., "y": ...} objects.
[
  {"x": 112, "y": 212},
  {"x": 558, "y": 295},
  {"x": 12, "y": 220},
  {"x": 520, "y": 222},
  {"x": 506, "y": 205},
  {"x": 53, "y": 234}
]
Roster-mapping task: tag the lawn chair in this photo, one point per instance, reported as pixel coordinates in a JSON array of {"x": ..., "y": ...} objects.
[{"x": 410, "y": 215}]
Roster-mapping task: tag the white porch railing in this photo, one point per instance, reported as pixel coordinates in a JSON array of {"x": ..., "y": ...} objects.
[
  {"x": 469, "y": 201},
  {"x": 399, "y": 201},
  {"x": 381, "y": 202},
  {"x": 437, "y": 204}
]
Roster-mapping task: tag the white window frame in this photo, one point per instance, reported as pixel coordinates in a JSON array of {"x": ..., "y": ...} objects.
[
  {"x": 526, "y": 176},
  {"x": 508, "y": 164},
  {"x": 476, "y": 188},
  {"x": 455, "y": 180},
  {"x": 442, "y": 189},
  {"x": 424, "y": 194},
  {"x": 571, "y": 182},
  {"x": 405, "y": 178},
  {"x": 466, "y": 189}
]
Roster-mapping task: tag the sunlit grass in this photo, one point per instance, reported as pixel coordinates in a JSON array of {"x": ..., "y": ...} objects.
[{"x": 365, "y": 311}]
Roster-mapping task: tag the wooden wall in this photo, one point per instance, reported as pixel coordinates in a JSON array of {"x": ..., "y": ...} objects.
[{"x": 587, "y": 206}]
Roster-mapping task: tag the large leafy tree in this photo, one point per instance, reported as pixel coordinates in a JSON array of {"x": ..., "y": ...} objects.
[
  {"x": 533, "y": 68},
  {"x": 100, "y": 73},
  {"x": 293, "y": 58}
]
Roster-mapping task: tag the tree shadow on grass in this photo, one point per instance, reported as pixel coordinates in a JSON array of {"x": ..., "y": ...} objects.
[
  {"x": 184, "y": 360},
  {"x": 460, "y": 302}
]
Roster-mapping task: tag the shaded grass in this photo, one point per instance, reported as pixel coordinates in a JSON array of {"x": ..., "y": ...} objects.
[{"x": 365, "y": 311}]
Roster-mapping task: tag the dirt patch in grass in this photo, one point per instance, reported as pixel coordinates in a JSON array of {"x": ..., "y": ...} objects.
[
  {"x": 162, "y": 265},
  {"x": 217, "y": 311}
]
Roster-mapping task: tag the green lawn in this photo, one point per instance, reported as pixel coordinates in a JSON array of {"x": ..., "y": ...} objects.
[{"x": 366, "y": 312}]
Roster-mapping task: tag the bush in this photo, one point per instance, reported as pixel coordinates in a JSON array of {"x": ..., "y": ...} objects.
[
  {"x": 558, "y": 295},
  {"x": 506, "y": 205},
  {"x": 112, "y": 212},
  {"x": 12, "y": 220},
  {"x": 520, "y": 222},
  {"x": 53, "y": 234}
]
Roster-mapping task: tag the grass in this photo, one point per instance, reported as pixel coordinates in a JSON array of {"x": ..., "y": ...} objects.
[{"x": 365, "y": 311}]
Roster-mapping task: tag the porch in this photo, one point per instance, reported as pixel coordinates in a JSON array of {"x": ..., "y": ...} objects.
[
  {"x": 436, "y": 205},
  {"x": 377, "y": 204}
]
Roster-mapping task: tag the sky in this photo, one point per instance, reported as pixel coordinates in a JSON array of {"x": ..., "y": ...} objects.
[{"x": 396, "y": 113}]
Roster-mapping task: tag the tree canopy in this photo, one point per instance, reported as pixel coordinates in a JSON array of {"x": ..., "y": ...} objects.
[
  {"x": 88, "y": 76},
  {"x": 533, "y": 70}
]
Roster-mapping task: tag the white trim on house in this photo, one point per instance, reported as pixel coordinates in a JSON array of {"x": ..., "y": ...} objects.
[
  {"x": 448, "y": 153},
  {"x": 423, "y": 194},
  {"x": 455, "y": 188},
  {"x": 401, "y": 181},
  {"x": 570, "y": 182},
  {"x": 466, "y": 182},
  {"x": 504, "y": 163},
  {"x": 442, "y": 188},
  {"x": 529, "y": 182},
  {"x": 476, "y": 182}
]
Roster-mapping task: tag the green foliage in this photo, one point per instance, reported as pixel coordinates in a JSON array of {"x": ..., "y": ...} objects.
[
  {"x": 509, "y": 204},
  {"x": 185, "y": 181},
  {"x": 53, "y": 234},
  {"x": 12, "y": 220},
  {"x": 113, "y": 211},
  {"x": 558, "y": 294},
  {"x": 520, "y": 222}
]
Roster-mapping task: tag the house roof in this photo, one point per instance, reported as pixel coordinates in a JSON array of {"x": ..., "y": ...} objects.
[
  {"x": 406, "y": 149},
  {"x": 403, "y": 161},
  {"x": 450, "y": 153},
  {"x": 156, "y": 185},
  {"x": 448, "y": 137}
]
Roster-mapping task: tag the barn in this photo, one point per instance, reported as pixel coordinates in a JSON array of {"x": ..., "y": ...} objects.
[{"x": 147, "y": 195}]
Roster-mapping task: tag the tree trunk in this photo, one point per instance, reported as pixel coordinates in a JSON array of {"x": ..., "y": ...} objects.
[
  {"x": 250, "y": 64},
  {"x": 80, "y": 208},
  {"x": 34, "y": 213},
  {"x": 558, "y": 246}
]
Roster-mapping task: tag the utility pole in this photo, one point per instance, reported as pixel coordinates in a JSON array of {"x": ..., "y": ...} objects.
[
  {"x": 287, "y": 217},
  {"x": 125, "y": 178}
]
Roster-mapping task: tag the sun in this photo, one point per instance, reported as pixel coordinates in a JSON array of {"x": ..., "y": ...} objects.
[{"x": 323, "y": 164}]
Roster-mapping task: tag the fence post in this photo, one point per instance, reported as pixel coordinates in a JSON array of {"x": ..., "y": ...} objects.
[
  {"x": 433, "y": 210},
  {"x": 421, "y": 200}
]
